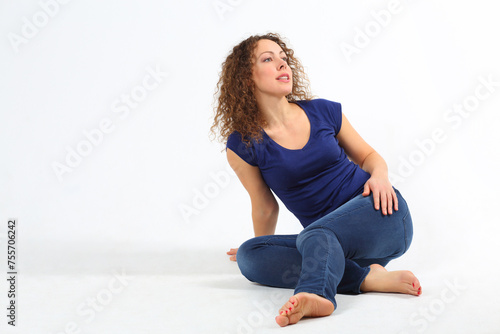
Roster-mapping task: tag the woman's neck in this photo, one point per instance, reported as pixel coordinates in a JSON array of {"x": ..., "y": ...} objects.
[{"x": 276, "y": 111}]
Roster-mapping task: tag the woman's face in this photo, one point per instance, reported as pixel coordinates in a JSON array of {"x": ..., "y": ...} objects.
[{"x": 270, "y": 73}]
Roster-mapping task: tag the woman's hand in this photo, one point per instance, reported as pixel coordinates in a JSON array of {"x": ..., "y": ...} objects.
[
  {"x": 362, "y": 154},
  {"x": 232, "y": 252},
  {"x": 384, "y": 195}
]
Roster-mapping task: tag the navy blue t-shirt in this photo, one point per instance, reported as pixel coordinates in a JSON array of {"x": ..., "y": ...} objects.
[{"x": 314, "y": 180}]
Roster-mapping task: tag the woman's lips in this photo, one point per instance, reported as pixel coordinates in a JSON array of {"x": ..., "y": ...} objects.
[{"x": 283, "y": 78}]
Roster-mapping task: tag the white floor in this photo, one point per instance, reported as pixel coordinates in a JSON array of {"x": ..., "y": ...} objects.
[{"x": 69, "y": 289}]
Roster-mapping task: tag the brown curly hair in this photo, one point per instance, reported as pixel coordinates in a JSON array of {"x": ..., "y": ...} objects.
[{"x": 235, "y": 104}]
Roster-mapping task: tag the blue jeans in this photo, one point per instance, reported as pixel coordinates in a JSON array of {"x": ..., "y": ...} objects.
[{"x": 331, "y": 255}]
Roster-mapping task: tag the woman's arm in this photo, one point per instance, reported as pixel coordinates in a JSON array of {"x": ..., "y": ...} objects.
[
  {"x": 368, "y": 159},
  {"x": 264, "y": 205}
]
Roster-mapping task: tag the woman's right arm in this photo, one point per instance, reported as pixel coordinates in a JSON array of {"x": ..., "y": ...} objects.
[{"x": 264, "y": 205}]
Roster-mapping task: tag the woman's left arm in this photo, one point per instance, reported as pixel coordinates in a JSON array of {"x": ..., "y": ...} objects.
[{"x": 384, "y": 196}]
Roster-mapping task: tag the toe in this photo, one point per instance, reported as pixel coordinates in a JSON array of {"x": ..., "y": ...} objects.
[
  {"x": 289, "y": 306},
  {"x": 294, "y": 318},
  {"x": 416, "y": 287},
  {"x": 282, "y": 320},
  {"x": 286, "y": 309}
]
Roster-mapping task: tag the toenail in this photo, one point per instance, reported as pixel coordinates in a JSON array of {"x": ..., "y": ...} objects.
[
  {"x": 290, "y": 308},
  {"x": 413, "y": 284}
]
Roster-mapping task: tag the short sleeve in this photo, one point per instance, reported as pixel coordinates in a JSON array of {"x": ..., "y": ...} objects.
[
  {"x": 326, "y": 111},
  {"x": 334, "y": 114},
  {"x": 337, "y": 115},
  {"x": 236, "y": 144}
]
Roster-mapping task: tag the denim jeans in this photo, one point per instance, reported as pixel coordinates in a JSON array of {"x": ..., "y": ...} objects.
[{"x": 331, "y": 255}]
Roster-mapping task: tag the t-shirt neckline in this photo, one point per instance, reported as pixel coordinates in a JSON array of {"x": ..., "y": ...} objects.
[{"x": 310, "y": 132}]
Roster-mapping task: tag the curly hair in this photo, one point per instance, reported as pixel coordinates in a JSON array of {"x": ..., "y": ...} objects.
[{"x": 235, "y": 103}]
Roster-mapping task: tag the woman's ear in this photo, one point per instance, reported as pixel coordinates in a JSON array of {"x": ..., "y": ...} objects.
[{"x": 249, "y": 83}]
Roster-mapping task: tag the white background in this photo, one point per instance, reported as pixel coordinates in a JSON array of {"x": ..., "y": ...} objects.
[{"x": 148, "y": 186}]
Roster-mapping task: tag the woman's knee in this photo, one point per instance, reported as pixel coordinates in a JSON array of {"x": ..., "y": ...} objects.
[
  {"x": 248, "y": 259},
  {"x": 408, "y": 230},
  {"x": 407, "y": 222},
  {"x": 307, "y": 235},
  {"x": 316, "y": 238}
]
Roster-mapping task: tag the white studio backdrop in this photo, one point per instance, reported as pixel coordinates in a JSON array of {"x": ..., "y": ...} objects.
[{"x": 106, "y": 109}]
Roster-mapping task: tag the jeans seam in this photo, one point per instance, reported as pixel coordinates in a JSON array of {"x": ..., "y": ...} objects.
[
  {"x": 326, "y": 260},
  {"x": 323, "y": 290},
  {"x": 406, "y": 233},
  {"x": 362, "y": 279},
  {"x": 404, "y": 225}
]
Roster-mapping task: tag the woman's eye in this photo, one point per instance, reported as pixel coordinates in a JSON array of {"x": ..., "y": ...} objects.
[
  {"x": 267, "y": 59},
  {"x": 285, "y": 59}
]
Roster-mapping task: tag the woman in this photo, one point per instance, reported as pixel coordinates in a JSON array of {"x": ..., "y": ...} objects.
[{"x": 309, "y": 155}]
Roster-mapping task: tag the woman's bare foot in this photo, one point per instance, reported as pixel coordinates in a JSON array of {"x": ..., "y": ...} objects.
[
  {"x": 302, "y": 305},
  {"x": 381, "y": 280}
]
